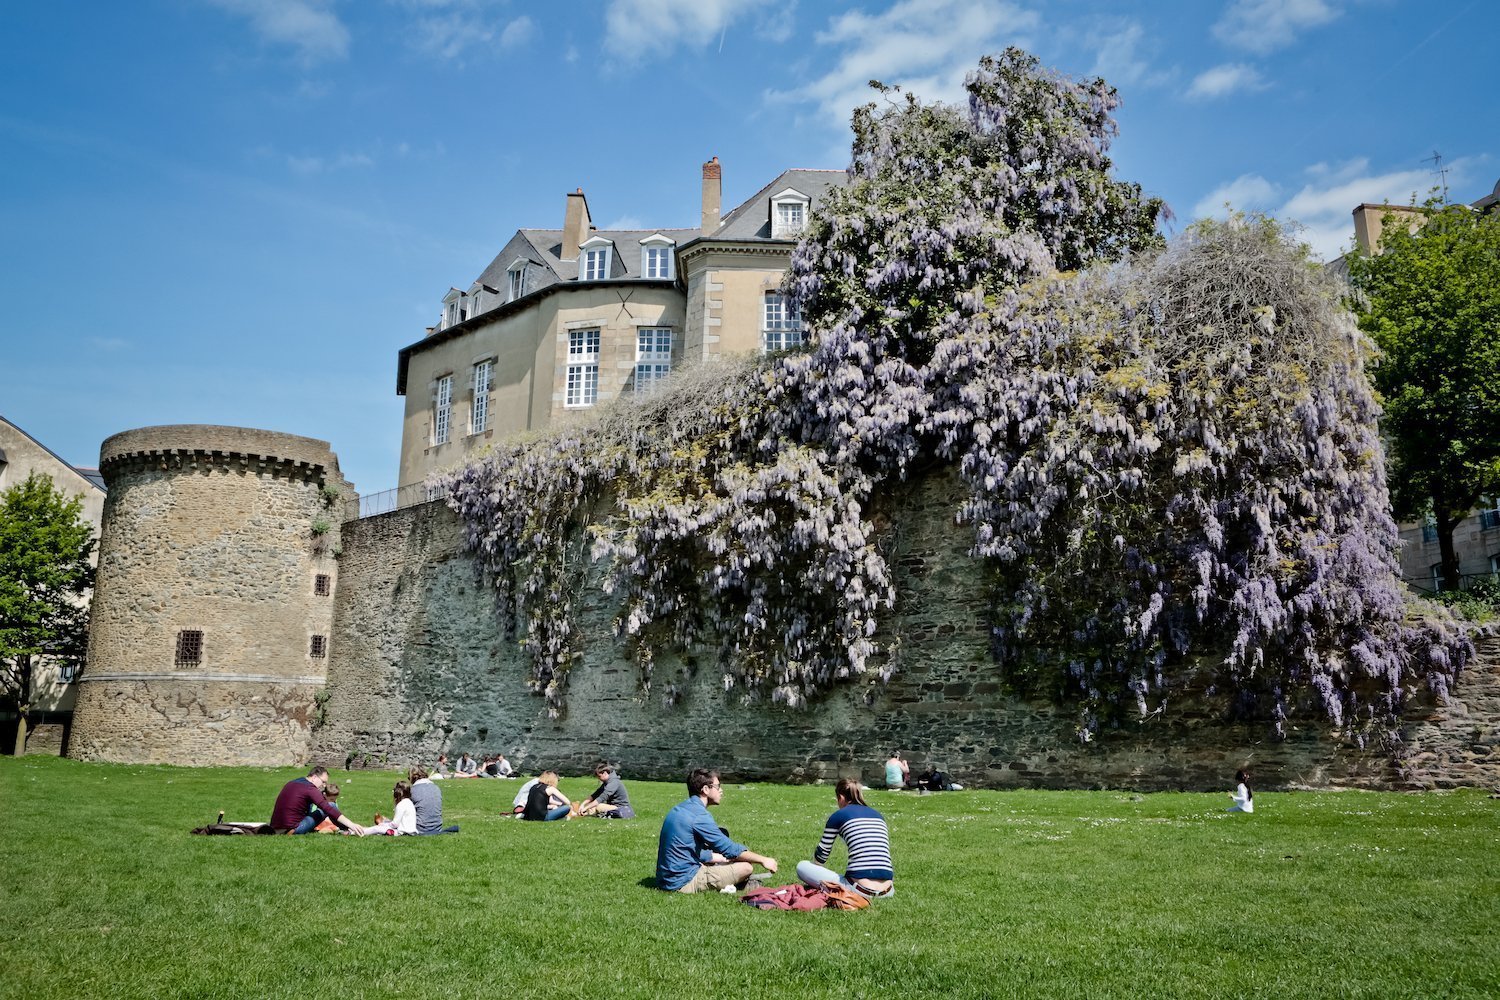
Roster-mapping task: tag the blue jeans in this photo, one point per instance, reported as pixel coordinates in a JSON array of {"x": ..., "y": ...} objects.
[
  {"x": 561, "y": 812},
  {"x": 309, "y": 821}
]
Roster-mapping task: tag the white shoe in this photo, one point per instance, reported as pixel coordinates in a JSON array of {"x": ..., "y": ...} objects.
[{"x": 730, "y": 890}]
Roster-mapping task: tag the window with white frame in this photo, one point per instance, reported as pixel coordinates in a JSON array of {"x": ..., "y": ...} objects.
[
  {"x": 517, "y": 282},
  {"x": 596, "y": 263},
  {"x": 789, "y": 214},
  {"x": 479, "y": 413},
  {"x": 656, "y": 257},
  {"x": 782, "y": 327},
  {"x": 653, "y": 357},
  {"x": 442, "y": 409},
  {"x": 583, "y": 368},
  {"x": 1437, "y": 578}
]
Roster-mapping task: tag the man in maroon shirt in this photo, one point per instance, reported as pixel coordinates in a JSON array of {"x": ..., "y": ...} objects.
[{"x": 293, "y": 812}]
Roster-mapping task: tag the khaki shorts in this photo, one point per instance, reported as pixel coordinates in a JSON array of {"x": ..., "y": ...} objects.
[{"x": 711, "y": 878}]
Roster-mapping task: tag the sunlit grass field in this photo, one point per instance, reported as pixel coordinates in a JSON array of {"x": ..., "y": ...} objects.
[{"x": 1024, "y": 894}]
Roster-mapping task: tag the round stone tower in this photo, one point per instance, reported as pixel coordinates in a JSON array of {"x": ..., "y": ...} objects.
[{"x": 209, "y": 631}]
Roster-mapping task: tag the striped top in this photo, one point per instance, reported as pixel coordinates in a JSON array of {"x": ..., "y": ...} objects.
[{"x": 865, "y": 834}]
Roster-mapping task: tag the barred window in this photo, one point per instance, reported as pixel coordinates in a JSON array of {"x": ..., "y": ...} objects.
[
  {"x": 322, "y": 585},
  {"x": 319, "y": 647},
  {"x": 189, "y": 648}
]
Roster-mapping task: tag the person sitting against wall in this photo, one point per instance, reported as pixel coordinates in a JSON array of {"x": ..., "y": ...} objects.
[
  {"x": 544, "y": 802},
  {"x": 300, "y": 806},
  {"x": 609, "y": 800},
  {"x": 867, "y": 839},
  {"x": 427, "y": 800},
  {"x": 934, "y": 780},
  {"x": 897, "y": 771},
  {"x": 498, "y": 767},
  {"x": 468, "y": 767},
  {"x": 440, "y": 769}
]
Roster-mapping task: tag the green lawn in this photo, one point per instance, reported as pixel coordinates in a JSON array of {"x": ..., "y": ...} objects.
[{"x": 1047, "y": 894}]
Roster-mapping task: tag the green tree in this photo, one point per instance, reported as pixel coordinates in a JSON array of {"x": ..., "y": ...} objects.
[
  {"x": 1430, "y": 299},
  {"x": 45, "y": 578}
]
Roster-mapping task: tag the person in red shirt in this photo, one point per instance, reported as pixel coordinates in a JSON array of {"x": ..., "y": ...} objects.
[{"x": 293, "y": 812}]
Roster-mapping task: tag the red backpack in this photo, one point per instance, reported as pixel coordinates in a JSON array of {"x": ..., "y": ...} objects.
[{"x": 786, "y": 897}]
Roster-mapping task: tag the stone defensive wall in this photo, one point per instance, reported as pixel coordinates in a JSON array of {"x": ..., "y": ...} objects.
[
  {"x": 212, "y": 612},
  {"x": 421, "y": 665}
]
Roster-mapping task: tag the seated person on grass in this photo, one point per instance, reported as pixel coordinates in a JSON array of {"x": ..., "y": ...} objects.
[
  {"x": 498, "y": 767},
  {"x": 405, "y": 820},
  {"x": 868, "y": 840},
  {"x": 518, "y": 804},
  {"x": 326, "y": 825},
  {"x": 467, "y": 767},
  {"x": 427, "y": 800},
  {"x": 544, "y": 802},
  {"x": 693, "y": 854},
  {"x": 297, "y": 806},
  {"x": 609, "y": 800}
]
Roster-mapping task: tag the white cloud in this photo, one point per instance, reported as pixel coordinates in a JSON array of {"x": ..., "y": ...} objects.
[
  {"x": 1118, "y": 58},
  {"x": 326, "y": 164},
  {"x": 924, "y": 46},
  {"x": 623, "y": 223},
  {"x": 1325, "y": 205},
  {"x": 1225, "y": 79},
  {"x": 1247, "y": 192},
  {"x": 635, "y": 30},
  {"x": 309, "y": 26},
  {"x": 518, "y": 32},
  {"x": 448, "y": 29},
  {"x": 1263, "y": 26}
]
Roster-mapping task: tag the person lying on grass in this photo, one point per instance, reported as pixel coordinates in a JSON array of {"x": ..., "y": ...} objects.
[
  {"x": 298, "y": 804},
  {"x": 609, "y": 800},
  {"x": 693, "y": 853},
  {"x": 545, "y": 802},
  {"x": 405, "y": 821},
  {"x": 868, "y": 840}
]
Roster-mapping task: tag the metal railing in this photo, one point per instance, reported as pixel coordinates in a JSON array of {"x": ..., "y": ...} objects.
[{"x": 371, "y": 504}]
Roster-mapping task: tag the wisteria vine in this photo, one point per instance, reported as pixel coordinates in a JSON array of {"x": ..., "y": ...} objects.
[{"x": 1174, "y": 475}]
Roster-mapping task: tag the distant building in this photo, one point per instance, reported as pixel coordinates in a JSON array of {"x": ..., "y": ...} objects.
[
  {"x": 1477, "y": 537},
  {"x": 563, "y": 320},
  {"x": 53, "y": 689}
]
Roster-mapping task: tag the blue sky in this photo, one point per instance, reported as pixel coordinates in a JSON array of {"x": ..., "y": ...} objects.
[{"x": 236, "y": 211}]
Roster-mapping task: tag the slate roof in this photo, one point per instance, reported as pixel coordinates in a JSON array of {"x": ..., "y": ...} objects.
[{"x": 752, "y": 219}]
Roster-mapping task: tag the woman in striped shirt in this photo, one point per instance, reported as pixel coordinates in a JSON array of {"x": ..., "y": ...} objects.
[{"x": 868, "y": 840}]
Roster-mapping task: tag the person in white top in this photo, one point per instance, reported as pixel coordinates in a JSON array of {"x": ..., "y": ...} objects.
[
  {"x": 1243, "y": 798},
  {"x": 518, "y": 804},
  {"x": 405, "y": 821}
]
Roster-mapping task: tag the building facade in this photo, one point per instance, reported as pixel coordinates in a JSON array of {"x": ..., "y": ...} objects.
[
  {"x": 564, "y": 320},
  {"x": 53, "y": 690}
]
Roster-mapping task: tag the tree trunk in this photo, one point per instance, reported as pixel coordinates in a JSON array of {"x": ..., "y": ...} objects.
[
  {"x": 23, "y": 701},
  {"x": 1452, "y": 580}
]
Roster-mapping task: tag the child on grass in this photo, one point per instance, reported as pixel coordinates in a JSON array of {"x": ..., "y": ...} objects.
[
  {"x": 1243, "y": 798},
  {"x": 405, "y": 821}
]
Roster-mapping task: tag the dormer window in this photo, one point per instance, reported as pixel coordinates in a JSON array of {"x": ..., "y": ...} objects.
[
  {"x": 595, "y": 258},
  {"x": 517, "y": 282},
  {"x": 656, "y": 257},
  {"x": 789, "y": 211},
  {"x": 455, "y": 308}
]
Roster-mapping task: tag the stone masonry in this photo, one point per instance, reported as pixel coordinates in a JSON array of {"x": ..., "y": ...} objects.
[
  {"x": 421, "y": 665},
  {"x": 222, "y": 533}
]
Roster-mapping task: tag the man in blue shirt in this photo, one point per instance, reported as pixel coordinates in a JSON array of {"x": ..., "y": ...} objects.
[{"x": 693, "y": 854}]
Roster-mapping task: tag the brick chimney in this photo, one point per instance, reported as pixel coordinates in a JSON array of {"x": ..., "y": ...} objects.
[
  {"x": 713, "y": 194},
  {"x": 576, "y": 224}
]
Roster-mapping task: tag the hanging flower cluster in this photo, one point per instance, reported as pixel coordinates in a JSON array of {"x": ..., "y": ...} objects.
[{"x": 1171, "y": 455}]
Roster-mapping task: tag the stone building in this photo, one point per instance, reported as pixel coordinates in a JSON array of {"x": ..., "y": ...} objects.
[
  {"x": 209, "y": 636},
  {"x": 565, "y": 319},
  {"x": 53, "y": 681}
]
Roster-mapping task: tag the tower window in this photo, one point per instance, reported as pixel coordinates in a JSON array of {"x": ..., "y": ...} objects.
[
  {"x": 189, "y": 648},
  {"x": 318, "y": 648},
  {"x": 322, "y": 585}
]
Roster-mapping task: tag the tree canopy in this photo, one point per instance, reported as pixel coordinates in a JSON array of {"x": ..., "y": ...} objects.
[
  {"x": 45, "y": 578},
  {"x": 1430, "y": 299}
]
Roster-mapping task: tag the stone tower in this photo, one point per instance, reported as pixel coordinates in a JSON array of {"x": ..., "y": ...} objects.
[{"x": 212, "y": 613}]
